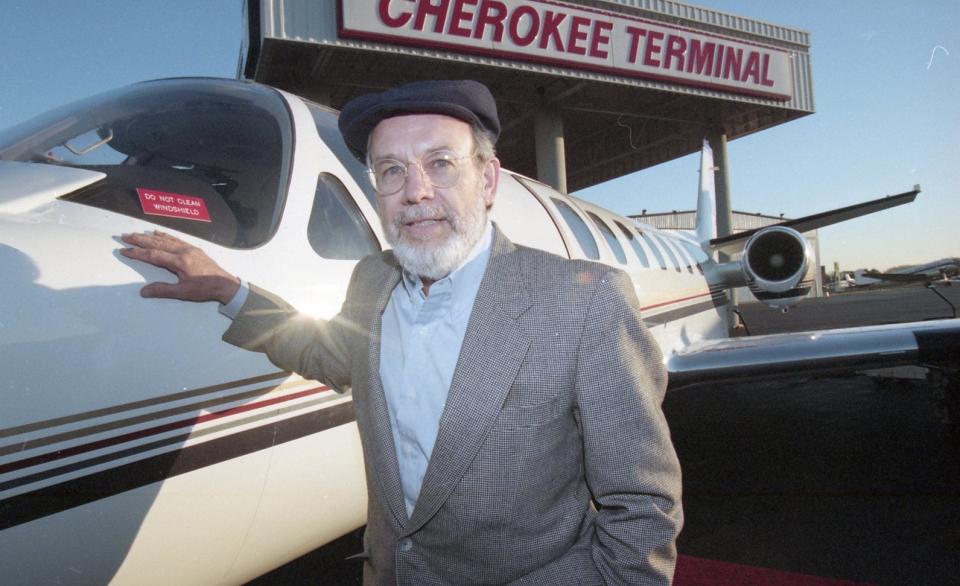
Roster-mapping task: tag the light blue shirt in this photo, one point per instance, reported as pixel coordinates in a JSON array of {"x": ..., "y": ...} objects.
[{"x": 420, "y": 340}]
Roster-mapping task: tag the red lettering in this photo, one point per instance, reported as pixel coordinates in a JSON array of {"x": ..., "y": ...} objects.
[
  {"x": 676, "y": 46},
  {"x": 635, "y": 34},
  {"x": 577, "y": 34},
  {"x": 700, "y": 58},
  {"x": 598, "y": 38},
  {"x": 551, "y": 30},
  {"x": 531, "y": 34},
  {"x": 491, "y": 13},
  {"x": 438, "y": 11},
  {"x": 393, "y": 22},
  {"x": 733, "y": 58},
  {"x": 752, "y": 68},
  {"x": 458, "y": 16},
  {"x": 719, "y": 63},
  {"x": 652, "y": 47},
  {"x": 765, "y": 70}
]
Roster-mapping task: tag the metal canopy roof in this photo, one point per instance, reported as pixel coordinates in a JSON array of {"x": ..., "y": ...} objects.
[{"x": 612, "y": 125}]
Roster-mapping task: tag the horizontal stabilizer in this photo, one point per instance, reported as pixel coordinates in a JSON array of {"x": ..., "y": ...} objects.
[{"x": 733, "y": 243}]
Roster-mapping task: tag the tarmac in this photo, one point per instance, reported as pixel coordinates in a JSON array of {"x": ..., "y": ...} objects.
[{"x": 852, "y": 478}]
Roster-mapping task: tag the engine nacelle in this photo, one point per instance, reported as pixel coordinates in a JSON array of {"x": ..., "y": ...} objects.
[{"x": 775, "y": 261}]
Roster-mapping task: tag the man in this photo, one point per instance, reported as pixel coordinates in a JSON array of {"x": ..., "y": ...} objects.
[{"x": 508, "y": 400}]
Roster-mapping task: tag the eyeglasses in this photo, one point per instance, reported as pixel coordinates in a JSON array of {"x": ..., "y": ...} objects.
[{"x": 441, "y": 168}]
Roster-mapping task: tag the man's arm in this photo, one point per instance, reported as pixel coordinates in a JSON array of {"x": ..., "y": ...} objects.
[
  {"x": 313, "y": 348},
  {"x": 631, "y": 466}
]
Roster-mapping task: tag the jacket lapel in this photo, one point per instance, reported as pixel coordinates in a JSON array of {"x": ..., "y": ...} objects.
[
  {"x": 493, "y": 348},
  {"x": 372, "y": 413}
]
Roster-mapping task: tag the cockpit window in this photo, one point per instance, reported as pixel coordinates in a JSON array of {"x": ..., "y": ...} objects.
[
  {"x": 205, "y": 157},
  {"x": 337, "y": 229}
]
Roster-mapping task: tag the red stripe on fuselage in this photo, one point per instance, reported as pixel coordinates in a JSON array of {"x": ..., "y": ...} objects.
[
  {"x": 134, "y": 435},
  {"x": 672, "y": 301}
]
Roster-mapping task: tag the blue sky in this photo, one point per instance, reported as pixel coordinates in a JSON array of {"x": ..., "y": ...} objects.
[{"x": 886, "y": 83}]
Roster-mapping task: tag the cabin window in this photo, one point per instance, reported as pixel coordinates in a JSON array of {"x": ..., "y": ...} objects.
[
  {"x": 654, "y": 248},
  {"x": 681, "y": 254},
  {"x": 337, "y": 229},
  {"x": 325, "y": 119},
  {"x": 697, "y": 253},
  {"x": 610, "y": 237},
  {"x": 635, "y": 245},
  {"x": 670, "y": 254},
  {"x": 209, "y": 158},
  {"x": 580, "y": 229}
]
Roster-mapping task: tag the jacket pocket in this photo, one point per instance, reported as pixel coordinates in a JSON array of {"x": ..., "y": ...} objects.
[{"x": 533, "y": 415}]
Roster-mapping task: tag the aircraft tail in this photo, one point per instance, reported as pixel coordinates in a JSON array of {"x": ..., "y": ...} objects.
[{"x": 706, "y": 200}]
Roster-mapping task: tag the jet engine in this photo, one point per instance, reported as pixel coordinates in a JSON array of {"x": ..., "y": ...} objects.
[{"x": 775, "y": 261}]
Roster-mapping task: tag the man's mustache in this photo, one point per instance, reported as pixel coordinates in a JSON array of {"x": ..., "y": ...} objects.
[{"x": 419, "y": 213}]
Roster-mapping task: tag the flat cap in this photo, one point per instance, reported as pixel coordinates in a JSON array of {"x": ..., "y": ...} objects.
[{"x": 467, "y": 100}]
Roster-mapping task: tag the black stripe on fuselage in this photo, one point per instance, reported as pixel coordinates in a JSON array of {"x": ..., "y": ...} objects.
[
  {"x": 159, "y": 400},
  {"x": 140, "y": 448},
  {"x": 54, "y": 499},
  {"x": 719, "y": 297}
]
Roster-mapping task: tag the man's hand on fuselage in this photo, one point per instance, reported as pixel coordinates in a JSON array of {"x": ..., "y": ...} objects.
[{"x": 199, "y": 278}]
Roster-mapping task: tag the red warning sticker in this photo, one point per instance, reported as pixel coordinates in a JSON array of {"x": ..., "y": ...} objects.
[{"x": 173, "y": 205}]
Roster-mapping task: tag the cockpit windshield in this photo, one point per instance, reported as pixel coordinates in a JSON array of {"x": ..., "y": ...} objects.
[{"x": 206, "y": 157}]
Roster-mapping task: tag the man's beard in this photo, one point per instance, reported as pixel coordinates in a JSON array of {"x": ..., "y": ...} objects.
[{"x": 435, "y": 262}]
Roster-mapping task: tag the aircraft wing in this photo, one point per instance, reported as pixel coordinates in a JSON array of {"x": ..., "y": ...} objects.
[
  {"x": 734, "y": 242},
  {"x": 927, "y": 343}
]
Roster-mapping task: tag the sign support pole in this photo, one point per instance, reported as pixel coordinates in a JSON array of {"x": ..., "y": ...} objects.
[{"x": 551, "y": 156}]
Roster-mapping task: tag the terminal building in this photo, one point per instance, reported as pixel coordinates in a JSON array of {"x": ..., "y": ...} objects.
[{"x": 587, "y": 90}]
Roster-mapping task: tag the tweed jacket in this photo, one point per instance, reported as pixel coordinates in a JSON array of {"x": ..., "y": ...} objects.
[{"x": 553, "y": 462}]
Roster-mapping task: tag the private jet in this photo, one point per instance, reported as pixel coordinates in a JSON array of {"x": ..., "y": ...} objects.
[{"x": 138, "y": 448}]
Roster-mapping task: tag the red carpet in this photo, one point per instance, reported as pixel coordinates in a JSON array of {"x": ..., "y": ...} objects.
[{"x": 700, "y": 572}]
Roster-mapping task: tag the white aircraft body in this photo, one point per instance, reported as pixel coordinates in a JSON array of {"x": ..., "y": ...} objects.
[{"x": 138, "y": 448}]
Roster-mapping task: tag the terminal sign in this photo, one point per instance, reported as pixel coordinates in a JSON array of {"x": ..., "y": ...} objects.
[{"x": 550, "y": 32}]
